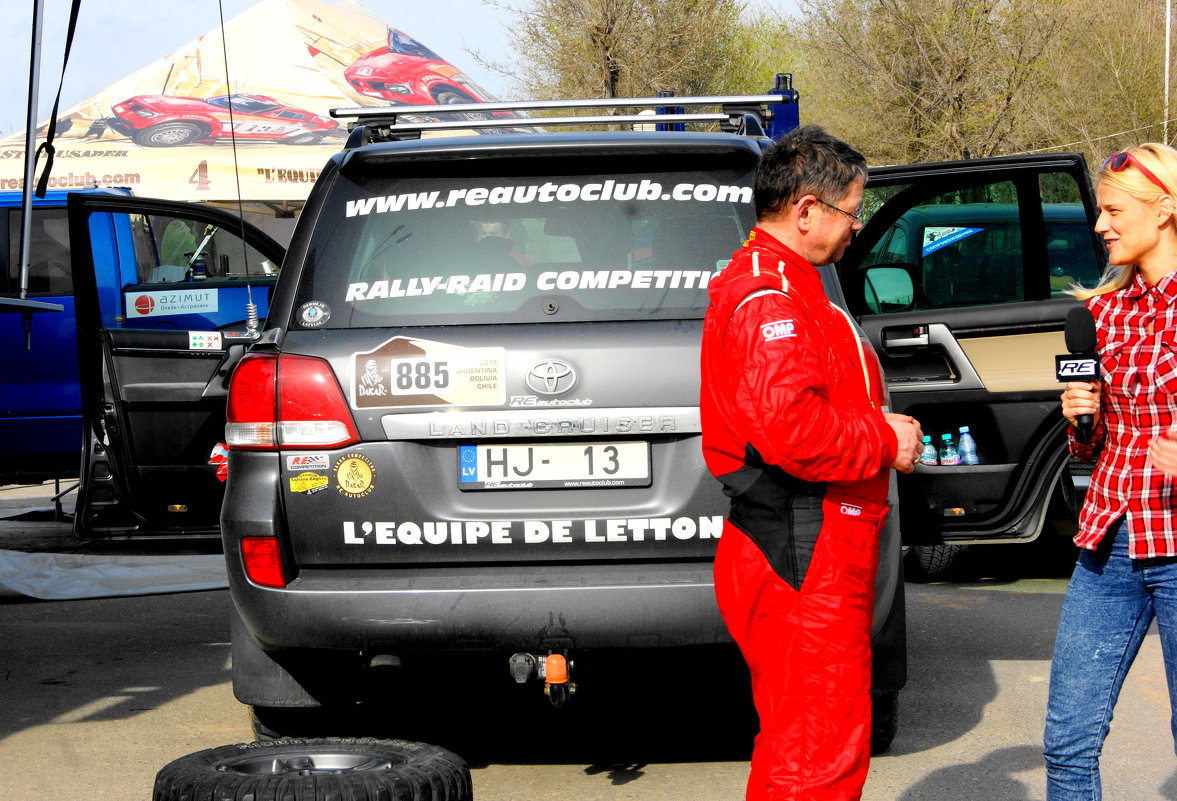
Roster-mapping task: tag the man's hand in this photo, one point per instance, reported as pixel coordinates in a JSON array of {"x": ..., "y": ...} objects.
[{"x": 907, "y": 431}]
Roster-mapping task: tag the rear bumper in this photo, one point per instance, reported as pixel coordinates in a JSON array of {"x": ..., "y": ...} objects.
[
  {"x": 486, "y": 609},
  {"x": 475, "y": 608}
]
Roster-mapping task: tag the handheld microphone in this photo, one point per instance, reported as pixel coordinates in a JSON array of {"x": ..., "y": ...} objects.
[{"x": 1081, "y": 364}]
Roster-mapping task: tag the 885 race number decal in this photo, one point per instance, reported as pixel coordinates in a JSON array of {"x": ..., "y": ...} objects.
[{"x": 416, "y": 372}]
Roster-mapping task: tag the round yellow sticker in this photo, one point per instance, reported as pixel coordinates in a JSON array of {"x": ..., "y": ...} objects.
[{"x": 355, "y": 475}]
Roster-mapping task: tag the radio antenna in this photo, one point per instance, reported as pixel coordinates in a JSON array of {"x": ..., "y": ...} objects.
[{"x": 251, "y": 321}]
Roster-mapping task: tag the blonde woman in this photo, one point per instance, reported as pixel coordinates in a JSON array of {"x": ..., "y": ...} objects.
[{"x": 1126, "y": 574}]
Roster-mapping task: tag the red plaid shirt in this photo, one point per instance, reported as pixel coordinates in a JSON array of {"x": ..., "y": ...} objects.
[{"x": 1136, "y": 332}]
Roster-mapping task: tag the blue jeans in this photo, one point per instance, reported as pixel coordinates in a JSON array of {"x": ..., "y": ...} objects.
[{"x": 1110, "y": 603}]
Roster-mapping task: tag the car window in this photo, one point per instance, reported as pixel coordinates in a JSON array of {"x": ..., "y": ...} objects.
[
  {"x": 967, "y": 247},
  {"x": 426, "y": 250},
  {"x": 168, "y": 250},
  {"x": 49, "y": 257}
]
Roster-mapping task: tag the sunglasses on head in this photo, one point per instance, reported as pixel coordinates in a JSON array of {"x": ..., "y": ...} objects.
[{"x": 1119, "y": 161}]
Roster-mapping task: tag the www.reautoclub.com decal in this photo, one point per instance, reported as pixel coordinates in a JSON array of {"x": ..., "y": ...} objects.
[
  {"x": 549, "y": 192},
  {"x": 516, "y": 282},
  {"x": 415, "y": 372},
  {"x": 532, "y": 532}
]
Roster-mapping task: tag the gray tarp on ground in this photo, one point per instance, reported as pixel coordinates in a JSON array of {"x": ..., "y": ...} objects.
[{"x": 69, "y": 576}]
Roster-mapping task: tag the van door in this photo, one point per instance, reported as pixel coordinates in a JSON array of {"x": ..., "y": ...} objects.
[
  {"x": 959, "y": 278},
  {"x": 156, "y": 345}
]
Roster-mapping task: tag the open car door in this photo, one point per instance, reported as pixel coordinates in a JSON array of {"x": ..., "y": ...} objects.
[
  {"x": 161, "y": 305},
  {"x": 960, "y": 278}
]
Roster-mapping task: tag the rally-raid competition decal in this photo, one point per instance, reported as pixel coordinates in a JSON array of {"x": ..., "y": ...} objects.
[
  {"x": 416, "y": 372},
  {"x": 355, "y": 475}
]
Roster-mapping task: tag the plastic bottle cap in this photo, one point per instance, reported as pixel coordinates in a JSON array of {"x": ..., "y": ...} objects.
[{"x": 964, "y": 429}]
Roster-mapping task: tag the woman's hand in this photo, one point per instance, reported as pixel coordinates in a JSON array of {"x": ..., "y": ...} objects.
[
  {"x": 1081, "y": 397},
  {"x": 1162, "y": 452}
]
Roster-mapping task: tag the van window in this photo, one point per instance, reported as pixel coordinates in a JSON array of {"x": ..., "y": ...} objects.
[
  {"x": 966, "y": 247},
  {"x": 434, "y": 250},
  {"x": 50, "y": 271}
]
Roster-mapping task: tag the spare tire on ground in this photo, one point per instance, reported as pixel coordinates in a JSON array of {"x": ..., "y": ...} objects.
[{"x": 314, "y": 770}]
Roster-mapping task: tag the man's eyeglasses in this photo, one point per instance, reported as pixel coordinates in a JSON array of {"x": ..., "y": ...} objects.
[
  {"x": 1119, "y": 161},
  {"x": 856, "y": 216}
]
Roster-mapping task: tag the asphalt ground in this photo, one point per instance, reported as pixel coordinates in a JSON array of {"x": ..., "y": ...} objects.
[{"x": 96, "y": 696}]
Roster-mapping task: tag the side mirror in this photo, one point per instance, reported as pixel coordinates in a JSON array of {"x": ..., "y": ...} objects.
[{"x": 889, "y": 289}]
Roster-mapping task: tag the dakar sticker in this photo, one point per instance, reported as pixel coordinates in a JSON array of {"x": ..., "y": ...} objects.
[
  {"x": 355, "y": 475},
  {"x": 313, "y": 314},
  {"x": 405, "y": 372},
  {"x": 308, "y": 483}
]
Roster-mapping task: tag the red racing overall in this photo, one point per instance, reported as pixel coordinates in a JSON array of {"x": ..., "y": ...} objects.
[{"x": 792, "y": 425}]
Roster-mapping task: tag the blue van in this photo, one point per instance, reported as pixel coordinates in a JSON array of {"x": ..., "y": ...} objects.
[{"x": 152, "y": 271}]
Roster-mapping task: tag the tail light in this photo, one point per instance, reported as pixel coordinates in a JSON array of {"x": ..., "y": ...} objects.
[
  {"x": 263, "y": 563},
  {"x": 285, "y": 401}
]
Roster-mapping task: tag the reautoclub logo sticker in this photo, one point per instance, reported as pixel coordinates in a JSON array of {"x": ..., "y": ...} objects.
[
  {"x": 162, "y": 304},
  {"x": 355, "y": 475},
  {"x": 416, "y": 372}
]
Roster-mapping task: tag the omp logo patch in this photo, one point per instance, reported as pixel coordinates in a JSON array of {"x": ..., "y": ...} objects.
[
  {"x": 851, "y": 510},
  {"x": 778, "y": 329}
]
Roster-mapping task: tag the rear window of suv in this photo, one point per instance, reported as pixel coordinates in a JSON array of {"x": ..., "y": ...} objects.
[{"x": 621, "y": 244}]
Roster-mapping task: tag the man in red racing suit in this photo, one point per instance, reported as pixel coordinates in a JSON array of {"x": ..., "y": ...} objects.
[{"x": 794, "y": 427}]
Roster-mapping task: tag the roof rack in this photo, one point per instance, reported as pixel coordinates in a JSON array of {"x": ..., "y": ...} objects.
[{"x": 748, "y": 115}]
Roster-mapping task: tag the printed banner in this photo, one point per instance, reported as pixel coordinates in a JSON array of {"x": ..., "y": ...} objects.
[{"x": 165, "y": 130}]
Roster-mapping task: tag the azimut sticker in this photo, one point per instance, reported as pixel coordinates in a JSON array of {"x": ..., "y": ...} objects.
[
  {"x": 416, "y": 372},
  {"x": 169, "y": 302},
  {"x": 355, "y": 475},
  {"x": 532, "y": 532}
]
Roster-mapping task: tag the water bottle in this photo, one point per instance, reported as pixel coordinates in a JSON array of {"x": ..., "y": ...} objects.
[
  {"x": 928, "y": 456},
  {"x": 967, "y": 447},
  {"x": 948, "y": 452}
]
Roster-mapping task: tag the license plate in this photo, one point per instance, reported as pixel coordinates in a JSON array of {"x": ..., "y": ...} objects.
[{"x": 566, "y": 465}]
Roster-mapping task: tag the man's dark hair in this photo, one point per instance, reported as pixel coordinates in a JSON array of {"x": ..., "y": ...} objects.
[{"x": 805, "y": 161}]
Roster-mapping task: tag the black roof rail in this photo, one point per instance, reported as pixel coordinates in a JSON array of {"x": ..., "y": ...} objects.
[{"x": 748, "y": 115}]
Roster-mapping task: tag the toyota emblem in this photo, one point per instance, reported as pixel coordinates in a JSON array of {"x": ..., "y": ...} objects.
[{"x": 551, "y": 377}]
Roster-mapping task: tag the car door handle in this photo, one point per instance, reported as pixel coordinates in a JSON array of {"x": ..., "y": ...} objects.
[{"x": 908, "y": 337}]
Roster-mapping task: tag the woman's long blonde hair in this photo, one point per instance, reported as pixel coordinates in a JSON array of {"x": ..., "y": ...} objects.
[{"x": 1162, "y": 161}]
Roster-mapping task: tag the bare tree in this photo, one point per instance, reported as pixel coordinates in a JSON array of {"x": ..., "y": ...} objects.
[
  {"x": 1108, "y": 74},
  {"x": 916, "y": 80},
  {"x": 620, "y": 48}
]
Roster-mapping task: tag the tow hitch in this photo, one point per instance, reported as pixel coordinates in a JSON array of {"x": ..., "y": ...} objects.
[{"x": 554, "y": 669}]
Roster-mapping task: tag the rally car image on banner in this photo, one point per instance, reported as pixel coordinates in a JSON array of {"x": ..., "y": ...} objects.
[
  {"x": 409, "y": 72},
  {"x": 164, "y": 121}
]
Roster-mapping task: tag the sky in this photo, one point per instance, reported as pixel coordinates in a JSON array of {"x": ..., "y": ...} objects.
[{"x": 115, "y": 37}]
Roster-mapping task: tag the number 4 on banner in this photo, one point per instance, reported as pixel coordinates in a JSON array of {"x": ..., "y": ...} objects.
[{"x": 200, "y": 176}]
